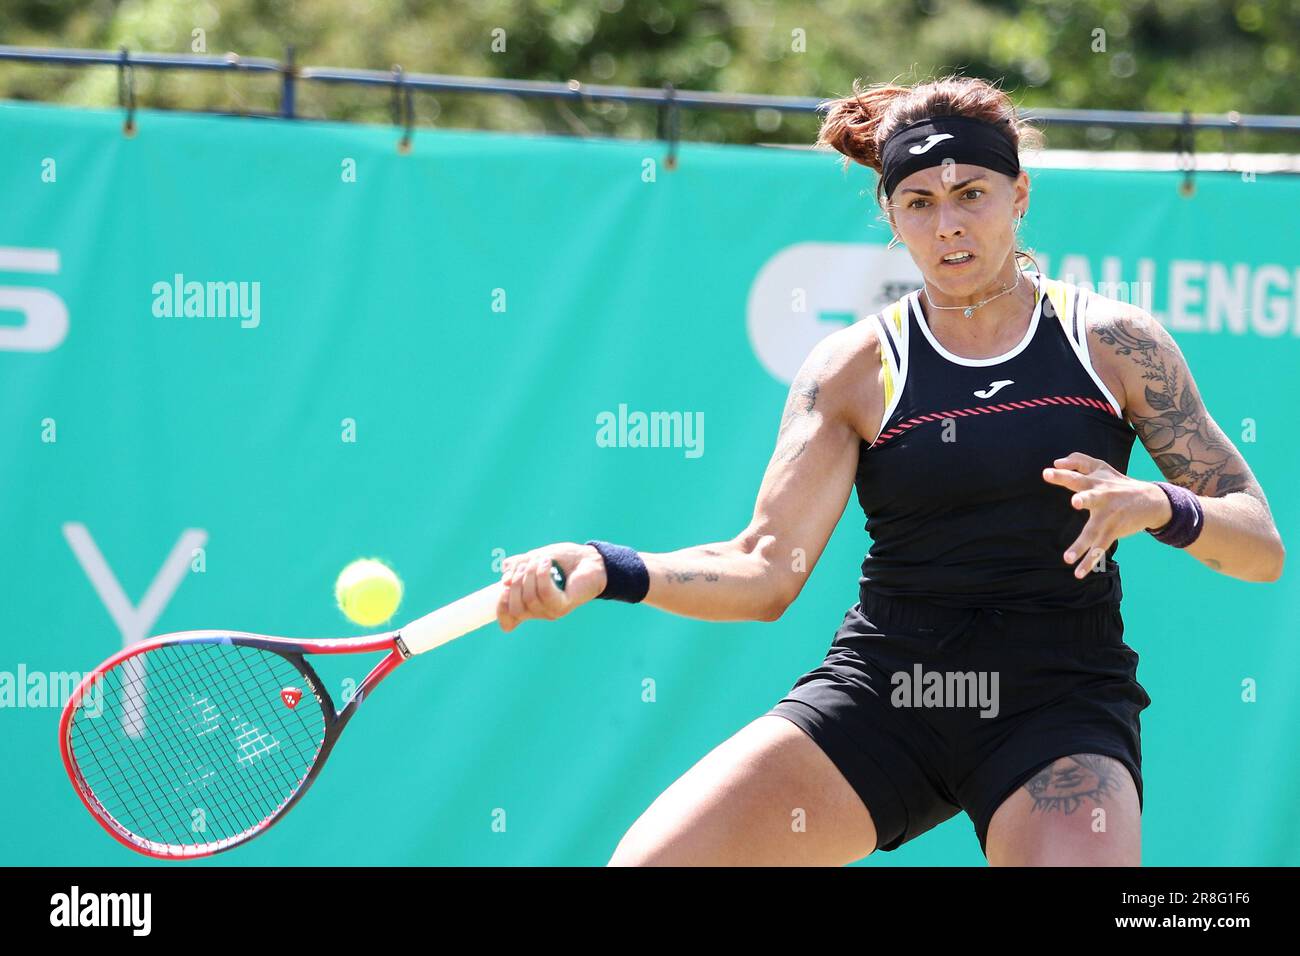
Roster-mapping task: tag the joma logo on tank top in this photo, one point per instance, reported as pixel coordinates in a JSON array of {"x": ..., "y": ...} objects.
[{"x": 994, "y": 388}]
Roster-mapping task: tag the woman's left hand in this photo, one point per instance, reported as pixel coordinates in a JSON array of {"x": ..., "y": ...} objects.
[{"x": 1117, "y": 504}]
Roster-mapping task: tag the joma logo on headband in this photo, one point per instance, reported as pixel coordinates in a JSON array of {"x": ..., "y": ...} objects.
[{"x": 929, "y": 142}]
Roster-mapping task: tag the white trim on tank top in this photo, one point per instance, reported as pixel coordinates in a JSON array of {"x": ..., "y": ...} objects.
[
  {"x": 1083, "y": 299},
  {"x": 900, "y": 373},
  {"x": 1077, "y": 299},
  {"x": 915, "y": 299}
]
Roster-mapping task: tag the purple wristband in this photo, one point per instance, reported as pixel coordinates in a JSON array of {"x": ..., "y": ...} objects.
[
  {"x": 626, "y": 577},
  {"x": 1188, "y": 518}
]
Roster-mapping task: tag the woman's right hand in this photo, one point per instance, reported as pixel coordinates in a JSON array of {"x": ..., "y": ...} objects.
[{"x": 529, "y": 592}]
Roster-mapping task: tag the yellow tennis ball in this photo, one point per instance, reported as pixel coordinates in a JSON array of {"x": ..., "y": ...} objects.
[{"x": 368, "y": 592}]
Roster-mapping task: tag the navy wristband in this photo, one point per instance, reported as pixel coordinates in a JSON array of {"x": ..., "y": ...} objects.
[
  {"x": 1187, "y": 519},
  {"x": 626, "y": 577}
]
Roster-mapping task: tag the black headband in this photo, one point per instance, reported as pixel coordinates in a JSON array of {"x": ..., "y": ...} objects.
[{"x": 939, "y": 139}]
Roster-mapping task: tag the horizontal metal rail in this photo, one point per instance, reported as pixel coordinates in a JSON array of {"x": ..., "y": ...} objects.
[
  {"x": 158, "y": 61},
  {"x": 666, "y": 97}
]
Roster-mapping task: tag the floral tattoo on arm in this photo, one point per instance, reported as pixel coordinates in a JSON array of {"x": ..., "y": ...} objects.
[{"x": 1186, "y": 444}]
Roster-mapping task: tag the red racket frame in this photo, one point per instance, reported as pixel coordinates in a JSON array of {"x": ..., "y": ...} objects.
[{"x": 292, "y": 649}]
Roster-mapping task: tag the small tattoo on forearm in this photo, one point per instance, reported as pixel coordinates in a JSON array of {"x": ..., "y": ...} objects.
[
  {"x": 680, "y": 577},
  {"x": 1067, "y": 783}
]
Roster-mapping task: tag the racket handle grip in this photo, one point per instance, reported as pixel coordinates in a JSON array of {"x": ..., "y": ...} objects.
[{"x": 461, "y": 616}]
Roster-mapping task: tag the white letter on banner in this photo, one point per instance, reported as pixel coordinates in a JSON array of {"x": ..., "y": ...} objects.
[
  {"x": 1268, "y": 313},
  {"x": 45, "y": 324},
  {"x": 1183, "y": 294},
  {"x": 133, "y": 623}
]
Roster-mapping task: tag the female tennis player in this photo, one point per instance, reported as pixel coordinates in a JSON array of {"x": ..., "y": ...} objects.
[{"x": 986, "y": 420}]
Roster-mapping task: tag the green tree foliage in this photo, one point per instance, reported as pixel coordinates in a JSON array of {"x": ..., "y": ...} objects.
[{"x": 1209, "y": 56}]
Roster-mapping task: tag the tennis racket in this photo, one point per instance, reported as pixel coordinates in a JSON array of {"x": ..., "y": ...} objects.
[{"x": 192, "y": 743}]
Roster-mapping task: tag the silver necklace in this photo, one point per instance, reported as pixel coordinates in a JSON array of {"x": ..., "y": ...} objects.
[{"x": 969, "y": 310}]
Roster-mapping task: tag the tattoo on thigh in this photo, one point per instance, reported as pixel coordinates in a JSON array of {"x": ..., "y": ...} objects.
[{"x": 1070, "y": 781}]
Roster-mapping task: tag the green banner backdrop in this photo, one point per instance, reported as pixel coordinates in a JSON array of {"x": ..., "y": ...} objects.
[{"x": 237, "y": 353}]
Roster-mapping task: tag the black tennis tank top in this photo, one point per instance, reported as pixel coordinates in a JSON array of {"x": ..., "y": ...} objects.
[{"x": 952, "y": 488}]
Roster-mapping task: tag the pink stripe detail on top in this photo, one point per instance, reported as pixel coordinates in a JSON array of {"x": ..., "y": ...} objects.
[{"x": 988, "y": 409}]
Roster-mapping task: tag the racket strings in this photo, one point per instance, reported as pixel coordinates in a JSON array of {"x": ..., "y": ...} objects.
[
  {"x": 154, "y": 762},
  {"x": 162, "y": 761},
  {"x": 173, "y": 767},
  {"x": 193, "y": 744},
  {"x": 271, "y": 682},
  {"x": 201, "y": 727}
]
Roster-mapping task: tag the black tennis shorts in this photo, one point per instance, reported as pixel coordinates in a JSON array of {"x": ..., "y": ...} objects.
[{"x": 928, "y": 710}]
